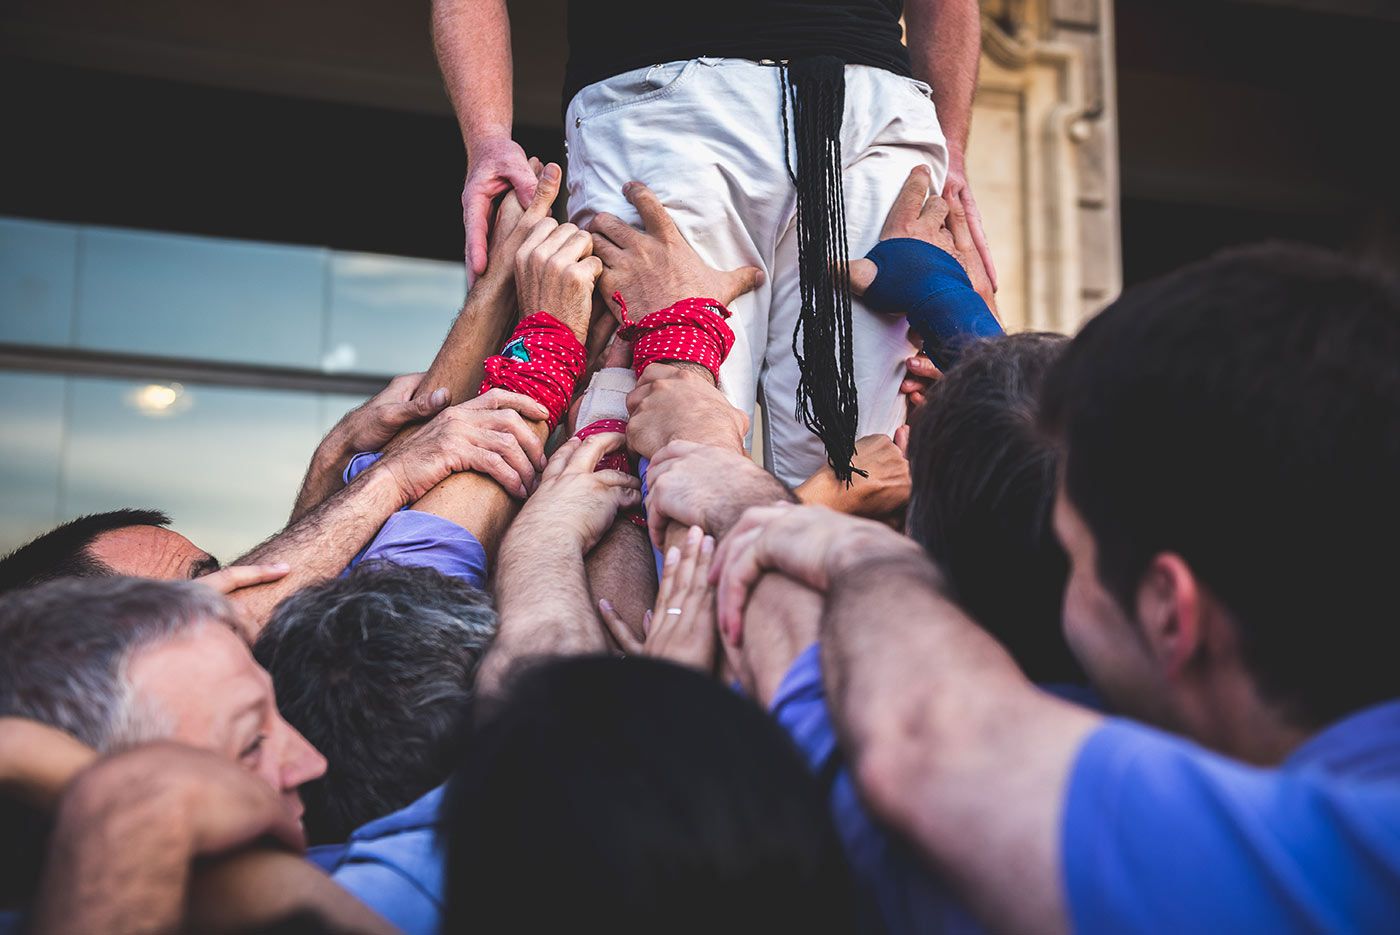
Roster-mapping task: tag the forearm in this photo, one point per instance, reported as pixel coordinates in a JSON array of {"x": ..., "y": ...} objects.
[
  {"x": 945, "y": 44},
  {"x": 543, "y": 604},
  {"x": 322, "y": 543},
  {"x": 480, "y": 328},
  {"x": 37, "y": 761},
  {"x": 780, "y": 620},
  {"x": 472, "y": 40},
  {"x": 622, "y": 570},
  {"x": 323, "y": 476},
  {"x": 116, "y": 867},
  {"x": 255, "y": 889}
]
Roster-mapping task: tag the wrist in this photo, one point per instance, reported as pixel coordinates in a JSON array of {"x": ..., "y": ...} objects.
[
  {"x": 485, "y": 135},
  {"x": 876, "y": 545},
  {"x": 818, "y": 490}
]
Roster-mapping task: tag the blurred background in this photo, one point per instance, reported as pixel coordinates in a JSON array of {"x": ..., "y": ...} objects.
[{"x": 222, "y": 225}]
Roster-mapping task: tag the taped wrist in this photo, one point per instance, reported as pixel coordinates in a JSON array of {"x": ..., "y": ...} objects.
[
  {"x": 543, "y": 360},
  {"x": 692, "y": 330},
  {"x": 929, "y": 286},
  {"x": 606, "y": 396}
]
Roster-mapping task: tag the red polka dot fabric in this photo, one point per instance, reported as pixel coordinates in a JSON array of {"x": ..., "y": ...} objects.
[
  {"x": 692, "y": 330},
  {"x": 543, "y": 360}
]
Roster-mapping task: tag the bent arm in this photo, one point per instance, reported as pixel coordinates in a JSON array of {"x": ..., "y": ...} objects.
[{"x": 949, "y": 742}]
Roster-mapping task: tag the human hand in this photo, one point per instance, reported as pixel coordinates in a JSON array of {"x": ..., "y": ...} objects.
[
  {"x": 884, "y": 489},
  {"x": 920, "y": 374},
  {"x": 575, "y": 503},
  {"x": 671, "y": 403},
  {"x": 963, "y": 213},
  {"x": 681, "y": 627},
  {"x": 491, "y": 434},
  {"x": 921, "y": 215},
  {"x": 555, "y": 272},
  {"x": 494, "y": 164},
  {"x": 705, "y": 486},
  {"x": 371, "y": 425},
  {"x": 656, "y": 268},
  {"x": 514, "y": 223},
  {"x": 209, "y": 802},
  {"x": 809, "y": 544}
]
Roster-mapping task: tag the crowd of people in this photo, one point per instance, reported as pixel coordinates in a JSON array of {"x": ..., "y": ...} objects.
[{"x": 1096, "y": 642}]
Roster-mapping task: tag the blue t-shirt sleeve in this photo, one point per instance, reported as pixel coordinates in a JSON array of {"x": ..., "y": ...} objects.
[
  {"x": 393, "y": 894},
  {"x": 1161, "y": 835},
  {"x": 426, "y": 540}
]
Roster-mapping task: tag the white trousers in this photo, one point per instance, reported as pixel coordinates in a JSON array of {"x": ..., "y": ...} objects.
[{"x": 707, "y": 136}]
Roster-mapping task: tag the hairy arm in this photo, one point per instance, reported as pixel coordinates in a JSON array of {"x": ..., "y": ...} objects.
[
  {"x": 945, "y": 45},
  {"x": 472, "y": 40},
  {"x": 949, "y": 742}
]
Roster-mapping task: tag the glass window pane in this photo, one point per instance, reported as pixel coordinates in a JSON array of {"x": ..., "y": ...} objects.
[
  {"x": 31, "y": 437},
  {"x": 389, "y": 314},
  {"x": 201, "y": 297},
  {"x": 38, "y": 270},
  {"x": 224, "y": 463}
]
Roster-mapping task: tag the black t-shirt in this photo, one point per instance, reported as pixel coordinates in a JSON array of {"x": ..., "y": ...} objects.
[{"x": 609, "y": 37}]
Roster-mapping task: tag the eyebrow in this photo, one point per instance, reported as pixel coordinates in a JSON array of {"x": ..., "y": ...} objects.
[{"x": 204, "y": 566}]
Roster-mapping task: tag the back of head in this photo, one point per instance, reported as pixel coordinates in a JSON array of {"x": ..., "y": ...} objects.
[
  {"x": 983, "y": 494},
  {"x": 1244, "y": 414},
  {"x": 374, "y": 669},
  {"x": 64, "y": 552},
  {"x": 637, "y": 796}
]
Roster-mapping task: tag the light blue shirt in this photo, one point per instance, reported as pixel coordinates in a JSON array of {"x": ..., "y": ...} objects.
[{"x": 394, "y": 865}]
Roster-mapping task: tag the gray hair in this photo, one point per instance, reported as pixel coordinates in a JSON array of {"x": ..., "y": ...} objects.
[
  {"x": 375, "y": 670},
  {"x": 65, "y": 648}
]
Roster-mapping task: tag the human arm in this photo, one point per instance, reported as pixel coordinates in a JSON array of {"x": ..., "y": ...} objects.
[
  {"x": 367, "y": 427},
  {"x": 542, "y": 595},
  {"x": 690, "y": 484},
  {"x": 881, "y": 493},
  {"x": 947, "y": 739},
  {"x": 472, "y": 40},
  {"x": 37, "y": 761},
  {"x": 681, "y": 627},
  {"x": 945, "y": 47},
  {"x": 129, "y": 827}
]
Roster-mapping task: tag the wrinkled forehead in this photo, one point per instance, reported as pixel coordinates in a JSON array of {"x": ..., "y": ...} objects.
[
  {"x": 151, "y": 552},
  {"x": 203, "y": 679}
]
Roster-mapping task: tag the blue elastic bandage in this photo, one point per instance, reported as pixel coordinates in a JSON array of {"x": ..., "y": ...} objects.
[{"x": 928, "y": 285}]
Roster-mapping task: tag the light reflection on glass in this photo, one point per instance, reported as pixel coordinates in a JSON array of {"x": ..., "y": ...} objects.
[{"x": 160, "y": 400}]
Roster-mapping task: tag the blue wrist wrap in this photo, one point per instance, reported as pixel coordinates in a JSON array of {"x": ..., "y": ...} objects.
[{"x": 928, "y": 285}]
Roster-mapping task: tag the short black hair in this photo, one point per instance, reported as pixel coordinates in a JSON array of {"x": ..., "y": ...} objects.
[
  {"x": 983, "y": 495},
  {"x": 639, "y": 796},
  {"x": 1244, "y": 414},
  {"x": 374, "y": 668},
  {"x": 63, "y": 552}
]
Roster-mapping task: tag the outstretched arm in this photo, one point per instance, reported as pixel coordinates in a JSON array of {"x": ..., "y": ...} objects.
[{"x": 948, "y": 740}]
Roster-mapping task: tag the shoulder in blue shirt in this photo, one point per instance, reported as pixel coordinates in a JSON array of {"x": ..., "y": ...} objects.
[
  {"x": 394, "y": 865},
  {"x": 1161, "y": 835}
]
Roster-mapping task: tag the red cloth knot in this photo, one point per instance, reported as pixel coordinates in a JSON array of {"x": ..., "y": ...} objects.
[
  {"x": 691, "y": 330},
  {"x": 543, "y": 360}
]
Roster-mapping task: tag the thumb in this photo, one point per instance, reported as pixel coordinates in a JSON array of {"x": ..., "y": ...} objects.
[
  {"x": 522, "y": 179},
  {"x": 744, "y": 280},
  {"x": 545, "y": 190},
  {"x": 423, "y": 407},
  {"x": 862, "y": 273}
]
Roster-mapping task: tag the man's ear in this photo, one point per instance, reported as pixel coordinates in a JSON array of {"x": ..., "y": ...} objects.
[{"x": 1169, "y": 612}]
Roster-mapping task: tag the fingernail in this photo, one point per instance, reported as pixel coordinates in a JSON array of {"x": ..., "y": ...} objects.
[
  {"x": 708, "y": 545},
  {"x": 551, "y": 172},
  {"x": 606, "y": 605},
  {"x": 673, "y": 555},
  {"x": 626, "y": 188},
  {"x": 281, "y": 566},
  {"x": 439, "y": 396},
  {"x": 694, "y": 534}
]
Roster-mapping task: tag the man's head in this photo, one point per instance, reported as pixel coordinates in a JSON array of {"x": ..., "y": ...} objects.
[
  {"x": 116, "y": 661},
  {"x": 375, "y": 668},
  {"x": 638, "y": 792},
  {"x": 1230, "y": 495},
  {"x": 983, "y": 488},
  {"x": 120, "y": 542}
]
